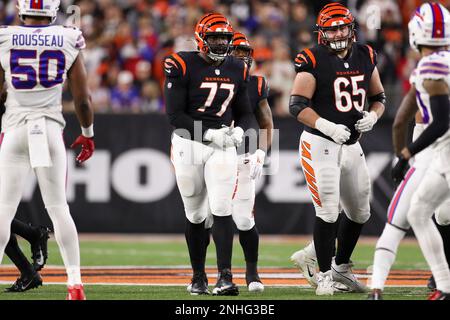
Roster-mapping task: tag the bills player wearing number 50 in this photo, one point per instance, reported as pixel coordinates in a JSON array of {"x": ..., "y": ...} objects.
[
  {"x": 205, "y": 91},
  {"x": 36, "y": 59},
  {"x": 333, "y": 80}
]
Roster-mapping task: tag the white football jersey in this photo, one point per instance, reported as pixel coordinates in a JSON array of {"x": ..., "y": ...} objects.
[
  {"x": 435, "y": 66},
  {"x": 35, "y": 60}
]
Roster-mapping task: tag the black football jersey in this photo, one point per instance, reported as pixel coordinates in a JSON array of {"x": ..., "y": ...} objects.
[
  {"x": 341, "y": 84},
  {"x": 258, "y": 90},
  {"x": 210, "y": 91}
]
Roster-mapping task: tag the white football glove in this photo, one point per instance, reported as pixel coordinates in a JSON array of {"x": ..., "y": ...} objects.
[
  {"x": 338, "y": 132},
  {"x": 367, "y": 122},
  {"x": 256, "y": 164},
  {"x": 220, "y": 137},
  {"x": 237, "y": 135}
]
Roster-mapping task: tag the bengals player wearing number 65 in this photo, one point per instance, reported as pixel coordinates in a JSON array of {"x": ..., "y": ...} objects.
[{"x": 329, "y": 97}]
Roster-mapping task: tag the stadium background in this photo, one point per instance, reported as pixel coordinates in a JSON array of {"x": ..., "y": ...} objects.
[{"x": 128, "y": 186}]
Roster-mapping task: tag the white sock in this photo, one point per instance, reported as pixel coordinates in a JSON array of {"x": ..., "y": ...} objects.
[
  {"x": 431, "y": 243},
  {"x": 67, "y": 238},
  {"x": 385, "y": 252}
]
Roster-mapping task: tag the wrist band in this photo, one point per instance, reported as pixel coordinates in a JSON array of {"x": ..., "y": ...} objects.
[{"x": 88, "y": 132}]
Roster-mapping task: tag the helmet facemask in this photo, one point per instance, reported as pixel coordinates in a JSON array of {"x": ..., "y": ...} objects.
[
  {"x": 218, "y": 45},
  {"x": 337, "y": 44},
  {"x": 244, "y": 53}
]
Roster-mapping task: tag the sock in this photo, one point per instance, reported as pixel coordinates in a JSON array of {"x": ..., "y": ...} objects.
[
  {"x": 222, "y": 232},
  {"x": 208, "y": 237},
  {"x": 24, "y": 230},
  {"x": 324, "y": 237},
  {"x": 250, "y": 241},
  {"x": 16, "y": 255},
  {"x": 445, "y": 234},
  {"x": 195, "y": 239},
  {"x": 385, "y": 252},
  {"x": 430, "y": 242},
  {"x": 66, "y": 237},
  {"x": 348, "y": 235}
]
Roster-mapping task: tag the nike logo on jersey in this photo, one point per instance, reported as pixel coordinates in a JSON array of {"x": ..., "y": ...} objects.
[{"x": 167, "y": 70}]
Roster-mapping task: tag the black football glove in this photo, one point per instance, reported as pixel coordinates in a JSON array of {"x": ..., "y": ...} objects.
[{"x": 399, "y": 170}]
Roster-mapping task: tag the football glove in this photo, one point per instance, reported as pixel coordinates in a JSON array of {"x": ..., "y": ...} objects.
[
  {"x": 338, "y": 132},
  {"x": 220, "y": 137},
  {"x": 87, "y": 148},
  {"x": 256, "y": 164},
  {"x": 399, "y": 170},
  {"x": 237, "y": 134},
  {"x": 367, "y": 122}
]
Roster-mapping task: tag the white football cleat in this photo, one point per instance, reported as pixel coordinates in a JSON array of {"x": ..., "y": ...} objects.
[
  {"x": 255, "y": 286},
  {"x": 325, "y": 284},
  {"x": 307, "y": 263},
  {"x": 343, "y": 274},
  {"x": 189, "y": 287}
]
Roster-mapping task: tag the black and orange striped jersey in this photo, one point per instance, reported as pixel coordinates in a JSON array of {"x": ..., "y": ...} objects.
[
  {"x": 258, "y": 90},
  {"x": 341, "y": 84},
  {"x": 198, "y": 91}
]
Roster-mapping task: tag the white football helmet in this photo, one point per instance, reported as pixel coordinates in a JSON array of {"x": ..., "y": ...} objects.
[
  {"x": 39, "y": 8},
  {"x": 430, "y": 26}
]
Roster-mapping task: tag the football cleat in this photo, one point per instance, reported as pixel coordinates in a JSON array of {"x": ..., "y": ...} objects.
[
  {"x": 26, "y": 282},
  {"x": 225, "y": 285},
  {"x": 439, "y": 295},
  {"x": 307, "y": 264},
  {"x": 375, "y": 294},
  {"x": 75, "y": 292},
  {"x": 343, "y": 273},
  {"x": 39, "y": 249},
  {"x": 325, "y": 284},
  {"x": 431, "y": 284},
  {"x": 199, "y": 284},
  {"x": 254, "y": 283}
]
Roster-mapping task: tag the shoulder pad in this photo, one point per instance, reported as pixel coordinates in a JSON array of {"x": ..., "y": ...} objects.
[
  {"x": 370, "y": 52},
  {"x": 305, "y": 61},
  {"x": 174, "y": 66},
  {"x": 434, "y": 66}
]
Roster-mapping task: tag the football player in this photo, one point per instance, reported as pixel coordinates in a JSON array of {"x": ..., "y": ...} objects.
[
  {"x": 428, "y": 34},
  {"x": 250, "y": 166},
  {"x": 36, "y": 58},
  {"x": 205, "y": 92},
  {"x": 333, "y": 80}
]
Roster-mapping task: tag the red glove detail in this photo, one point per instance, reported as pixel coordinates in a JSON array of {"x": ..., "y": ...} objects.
[{"x": 87, "y": 147}]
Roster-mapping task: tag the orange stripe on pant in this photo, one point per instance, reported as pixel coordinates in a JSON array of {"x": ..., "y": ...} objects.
[{"x": 309, "y": 173}]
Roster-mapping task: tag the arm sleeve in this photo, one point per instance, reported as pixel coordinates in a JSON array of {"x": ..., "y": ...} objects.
[
  {"x": 242, "y": 111},
  {"x": 440, "y": 109}
]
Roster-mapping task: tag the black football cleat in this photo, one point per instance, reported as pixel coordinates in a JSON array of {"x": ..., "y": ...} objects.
[
  {"x": 26, "y": 282},
  {"x": 375, "y": 294},
  {"x": 439, "y": 295},
  {"x": 39, "y": 249},
  {"x": 225, "y": 285},
  {"x": 431, "y": 285},
  {"x": 199, "y": 284}
]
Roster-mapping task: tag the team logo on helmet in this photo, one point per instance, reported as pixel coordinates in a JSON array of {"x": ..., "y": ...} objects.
[
  {"x": 242, "y": 45},
  {"x": 209, "y": 26},
  {"x": 429, "y": 26},
  {"x": 332, "y": 17},
  {"x": 38, "y": 8}
]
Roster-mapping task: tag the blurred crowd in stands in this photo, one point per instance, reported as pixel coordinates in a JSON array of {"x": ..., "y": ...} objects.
[{"x": 127, "y": 40}]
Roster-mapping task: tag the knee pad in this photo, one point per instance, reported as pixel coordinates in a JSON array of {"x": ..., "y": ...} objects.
[
  {"x": 221, "y": 207},
  {"x": 244, "y": 223},
  {"x": 188, "y": 186},
  {"x": 196, "y": 216},
  {"x": 442, "y": 217},
  {"x": 360, "y": 218},
  {"x": 209, "y": 220},
  {"x": 326, "y": 216}
]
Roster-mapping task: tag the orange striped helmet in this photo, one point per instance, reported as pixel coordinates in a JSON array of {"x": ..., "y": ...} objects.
[
  {"x": 240, "y": 42},
  {"x": 213, "y": 24},
  {"x": 332, "y": 17}
]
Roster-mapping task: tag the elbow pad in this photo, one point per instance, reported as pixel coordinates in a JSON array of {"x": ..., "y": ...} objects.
[
  {"x": 297, "y": 104},
  {"x": 381, "y": 97}
]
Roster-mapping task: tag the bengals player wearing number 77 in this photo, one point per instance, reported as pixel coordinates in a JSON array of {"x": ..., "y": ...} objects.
[{"x": 328, "y": 96}]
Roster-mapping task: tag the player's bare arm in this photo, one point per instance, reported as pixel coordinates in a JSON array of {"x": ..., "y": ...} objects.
[
  {"x": 78, "y": 86},
  {"x": 265, "y": 121},
  {"x": 305, "y": 86},
  {"x": 376, "y": 94},
  {"x": 77, "y": 76},
  {"x": 440, "y": 108},
  {"x": 405, "y": 114}
]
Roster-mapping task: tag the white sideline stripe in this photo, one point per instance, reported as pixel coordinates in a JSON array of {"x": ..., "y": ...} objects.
[{"x": 300, "y": 286}]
